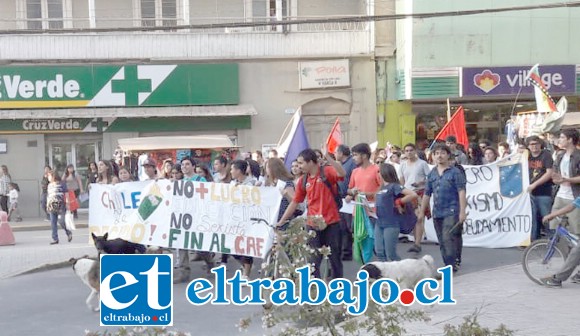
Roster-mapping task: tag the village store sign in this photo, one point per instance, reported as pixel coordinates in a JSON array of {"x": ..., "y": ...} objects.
[
  {"x": 491, "y": 81},
  {"x": 118, "y": 86}
]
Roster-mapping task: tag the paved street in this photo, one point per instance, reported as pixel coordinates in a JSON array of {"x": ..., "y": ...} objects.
[{"x": 54, "y": 299}]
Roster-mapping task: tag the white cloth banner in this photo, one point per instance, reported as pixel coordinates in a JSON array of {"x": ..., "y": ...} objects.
[
  {"x": 498, "y": 205},
  {"x": 203, "y": 216}
]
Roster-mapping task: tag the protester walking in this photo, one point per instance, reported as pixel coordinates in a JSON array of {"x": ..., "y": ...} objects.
[
  {"x": 540, "y": 165},
  {"x": 150, "y": 169},
  {"x": 222, "y": 171},
  {"x": 183, "y": 270},
  {"x": 460, "y": 157},
  {"x": 125, "y": 175},
  {"x": 56, "y": 206},
  {"x": 320, "y": 189},
  {"x": 44, "y": 187},
  {"x": 365, "y": 179},
  {"x": 73, "y": 183},
  {"x": 240, "y": 176},
  {"x": 278, "y": 176},
  {"x": 392, "y": 199},
  {"x": 415, "y": 172},
  {"x": 105, "y": 173},
  {"x": 5, "y": 180},
  {"x": 446, "y": 184},
  {"x": 344, "y": 156},
  {"x": 567, "y": 177}
]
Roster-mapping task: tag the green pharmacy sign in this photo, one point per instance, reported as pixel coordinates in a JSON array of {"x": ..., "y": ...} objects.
[{"x": 118, "y": 86}]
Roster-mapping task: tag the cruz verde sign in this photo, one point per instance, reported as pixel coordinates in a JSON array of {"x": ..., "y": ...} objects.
[{"x": 118, "y": 85}]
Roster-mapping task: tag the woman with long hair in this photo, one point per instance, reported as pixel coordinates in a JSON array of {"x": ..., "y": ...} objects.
[
  {"x": 391, "y": 201},
  {"x": 255, "y": 171},
  {"x": 203, "y": 171},
  {"x": 474, "y": 155},
  {"x": 176, "y": 173},
  {"x": 278, "y": 176},
  {"x": 296, "y": 171},
  {"x": 56, "y": 205},
  {"x": 125, "y": 175},
  {"x": 106, "y": 173},
  {"x": 92, "y": 174},
  {"x": 73, "y": 182},
  {"x": 166, "y": 169}
]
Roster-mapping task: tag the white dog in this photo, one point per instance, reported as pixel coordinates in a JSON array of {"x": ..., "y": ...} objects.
[
  {"x": 407, "y": 272},
  {"x": 89, "y": 271}
]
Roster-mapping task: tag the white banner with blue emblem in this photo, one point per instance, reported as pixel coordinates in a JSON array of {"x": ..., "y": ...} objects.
[{"x": 498, "y": 205}]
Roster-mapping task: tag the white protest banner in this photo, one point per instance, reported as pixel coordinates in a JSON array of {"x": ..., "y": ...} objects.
[
  {"x": 498, "y": 205},
  {"x": 203, "y": 216}
]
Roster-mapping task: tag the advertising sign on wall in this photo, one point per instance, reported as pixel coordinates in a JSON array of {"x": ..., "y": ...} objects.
[
  {"x": 118, "y": 85},
  {"x": 491, "y": 81},
  {"x": 324, "y": 74}
]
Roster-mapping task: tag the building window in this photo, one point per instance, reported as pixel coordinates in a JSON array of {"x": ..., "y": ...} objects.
[
  {"x": 158, "y": 13},
  {"x": 269, "y": 11},
  {"x": 44, "y": 14}
]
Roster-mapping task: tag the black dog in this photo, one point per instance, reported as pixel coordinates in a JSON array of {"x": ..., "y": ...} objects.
[{"x": 116, "y": 246}]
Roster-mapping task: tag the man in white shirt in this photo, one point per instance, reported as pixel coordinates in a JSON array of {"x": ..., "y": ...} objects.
[
  {"x": 567, "y": 176},
  {"x": 414, "y": 173}
]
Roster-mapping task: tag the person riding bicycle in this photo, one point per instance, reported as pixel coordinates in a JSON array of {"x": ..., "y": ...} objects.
[{"x": 573, "y": 259}]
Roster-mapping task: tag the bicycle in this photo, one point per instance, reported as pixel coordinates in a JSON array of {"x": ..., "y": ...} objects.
[
  {"x": 274, "y": 259},
  {"x": 271, "y": 264},
  {"x": 543, "y": 258},
  {"x": 279, "y": 260}
]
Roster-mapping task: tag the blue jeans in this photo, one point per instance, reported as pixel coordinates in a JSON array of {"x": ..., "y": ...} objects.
[
  {"x": 386, "y": 239},
  {"x": 541, "y": 206},
  {"x": 53, "y": 224},
  {"x": 450, "y": 239}
]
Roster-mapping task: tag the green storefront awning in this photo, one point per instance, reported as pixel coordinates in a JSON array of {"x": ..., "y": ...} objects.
[{"x": 151, "y": 124}]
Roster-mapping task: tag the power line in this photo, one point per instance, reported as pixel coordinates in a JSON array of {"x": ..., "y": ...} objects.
[{"x": 339, "y": 19}]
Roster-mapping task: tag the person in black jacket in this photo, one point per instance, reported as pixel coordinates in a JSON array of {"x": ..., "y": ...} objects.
[{"x": 342, "y": 154}]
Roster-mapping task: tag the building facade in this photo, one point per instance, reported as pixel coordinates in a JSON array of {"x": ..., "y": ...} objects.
[
  {"x": 481, "y": 61},
  {"x": 77, "y": 75}
]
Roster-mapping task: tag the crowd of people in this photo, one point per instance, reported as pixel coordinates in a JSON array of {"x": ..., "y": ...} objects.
[{"x": 399, "y": 181}]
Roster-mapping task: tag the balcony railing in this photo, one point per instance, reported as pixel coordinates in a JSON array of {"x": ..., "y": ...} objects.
[{"x": 195, "y": 25}]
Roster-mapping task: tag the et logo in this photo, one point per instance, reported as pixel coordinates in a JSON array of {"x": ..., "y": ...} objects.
[{"x": 136, "y": 290}]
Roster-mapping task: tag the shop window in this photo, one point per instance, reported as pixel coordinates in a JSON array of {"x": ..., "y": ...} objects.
[
  {"x": 44, "y": 14},
  {"x": 158, "y": 13}
]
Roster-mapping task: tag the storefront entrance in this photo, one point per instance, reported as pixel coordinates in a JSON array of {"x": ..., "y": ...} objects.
[{"x": 61, "y": 152}]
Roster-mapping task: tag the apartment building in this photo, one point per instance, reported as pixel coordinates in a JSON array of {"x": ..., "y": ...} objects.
[{"x": 77, "y": 75}]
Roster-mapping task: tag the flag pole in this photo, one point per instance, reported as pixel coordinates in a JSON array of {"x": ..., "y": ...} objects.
[
  {"x": 448, "y": 110},
  {"x": 287, "y": 125}
]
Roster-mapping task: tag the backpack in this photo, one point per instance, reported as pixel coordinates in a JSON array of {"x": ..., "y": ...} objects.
[
  {"x": 333, "y": 189},
  {"x": 55, "y": 203}
]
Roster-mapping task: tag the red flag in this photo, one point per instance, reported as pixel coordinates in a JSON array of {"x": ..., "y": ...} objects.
[
  {"x": 334, "y": 138},
  {"x": 455, "y": 126}
]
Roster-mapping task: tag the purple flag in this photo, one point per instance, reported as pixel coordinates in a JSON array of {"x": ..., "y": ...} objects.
[{"x": 298, "y": 143}]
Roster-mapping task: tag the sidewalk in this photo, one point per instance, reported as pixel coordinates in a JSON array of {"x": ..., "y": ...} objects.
[
  {"x": 33, "y": 224},
  {"x": 33, "y": 252}
]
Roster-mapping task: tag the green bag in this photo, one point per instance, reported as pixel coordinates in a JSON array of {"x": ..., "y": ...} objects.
[{"x": 363, "y": 235}]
